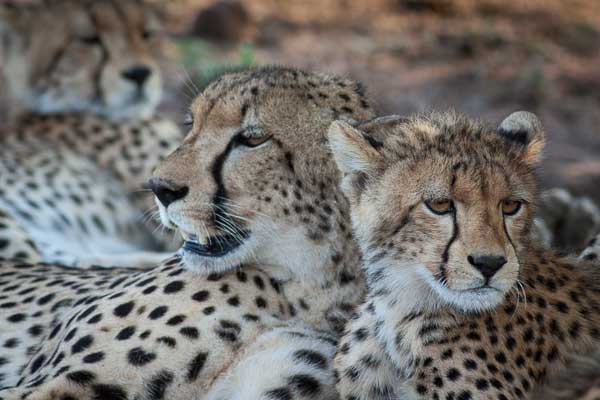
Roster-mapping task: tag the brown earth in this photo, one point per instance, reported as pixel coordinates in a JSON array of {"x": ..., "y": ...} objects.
[{"x": 485, "y": 58}]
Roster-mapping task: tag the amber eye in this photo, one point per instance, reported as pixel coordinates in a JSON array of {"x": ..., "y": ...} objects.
[
  {"x": 254, "y": 141},
  {"x": 510, "y": 207},
  {"x": 440, "y": 206}
]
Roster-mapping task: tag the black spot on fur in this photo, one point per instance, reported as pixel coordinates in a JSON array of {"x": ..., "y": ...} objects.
[
  {"x": 306, "y": 385},
  {"x": 124, "y": 309},
  {"x": 138, "y": 357},
  {"x": 195, "y": 366},
  {"x": 158, "y": 385}
]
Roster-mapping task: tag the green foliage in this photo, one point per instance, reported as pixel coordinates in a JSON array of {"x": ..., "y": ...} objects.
[{"x": 202, "y": 61}]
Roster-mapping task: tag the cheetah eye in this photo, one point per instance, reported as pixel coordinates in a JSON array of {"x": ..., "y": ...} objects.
[
  {"x": 188, "y": 120},
  {"x": 91, "y": 40},
  {"x": 511, "y": 207},
  {"x": 254, "y": 141},
  {"x": 253, "y": 137},
  {"x": 440, "y": 206}
]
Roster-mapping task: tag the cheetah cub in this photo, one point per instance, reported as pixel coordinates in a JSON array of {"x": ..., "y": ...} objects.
[{"x": 461, "y": 305}]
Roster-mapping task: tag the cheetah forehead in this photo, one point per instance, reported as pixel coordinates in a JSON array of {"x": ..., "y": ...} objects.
[{"x": 243, "y": 90}]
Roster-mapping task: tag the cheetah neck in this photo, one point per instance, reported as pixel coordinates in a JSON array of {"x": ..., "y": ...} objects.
[{"x": 327, "y": 287}]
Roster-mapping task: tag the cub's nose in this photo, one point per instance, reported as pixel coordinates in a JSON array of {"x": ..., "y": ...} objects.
[
  {"x": 138, "y": 74},
  {"x": 488, "y": 265},
  {"x": 167, "y": 191}
]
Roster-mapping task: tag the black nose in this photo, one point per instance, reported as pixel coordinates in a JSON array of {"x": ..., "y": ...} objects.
[
  {"x": 487, "y": 265},
  {"x": 137, "y": 74},
  {"x": 167, "y": 192}
]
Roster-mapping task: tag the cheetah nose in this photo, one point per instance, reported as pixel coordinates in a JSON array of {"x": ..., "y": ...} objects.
[
  {"x": 487, "y": 264},
  {"x": 167, "y": 191},
  {"x": 138, "y": 74}
]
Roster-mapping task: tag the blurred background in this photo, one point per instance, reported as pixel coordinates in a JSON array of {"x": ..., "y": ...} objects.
[{"x": 482, "y": 57}]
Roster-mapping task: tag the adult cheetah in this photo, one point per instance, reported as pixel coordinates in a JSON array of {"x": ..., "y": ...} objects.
[
  {"x": 461, "y": 305},
  {"x": 269, "y": 271},
  {"x": 69, "y": 174}
]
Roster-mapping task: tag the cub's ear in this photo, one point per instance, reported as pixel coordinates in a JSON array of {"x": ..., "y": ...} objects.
[
  {"x": 353, "y": 150},
  {"x": 524, "y": 129},
  {"x": 356, "y": 156}
]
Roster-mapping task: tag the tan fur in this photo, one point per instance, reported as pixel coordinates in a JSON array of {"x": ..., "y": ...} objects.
[
  {"x": 446, "y": 329},
  {"x": 70, "y": 55},
  {"x": 267, "y": 318}
]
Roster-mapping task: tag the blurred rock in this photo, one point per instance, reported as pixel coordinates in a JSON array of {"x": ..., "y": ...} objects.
[
  {"x": 225, "y": 20},
  {"x": 573, "y": 221}
]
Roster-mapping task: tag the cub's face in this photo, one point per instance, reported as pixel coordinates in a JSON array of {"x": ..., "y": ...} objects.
[
  {"x": 99, "y": 56},
  {"x": 253, "y": 181},
  {"x": 442, "y": 201}
]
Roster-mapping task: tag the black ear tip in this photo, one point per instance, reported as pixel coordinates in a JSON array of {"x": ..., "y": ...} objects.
[
  {"x": 519, "y": 136},
  {"x": 520, "y": 127}
]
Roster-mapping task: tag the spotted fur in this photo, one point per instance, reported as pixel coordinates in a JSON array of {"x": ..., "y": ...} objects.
[
  {"x": 188, "y": 328},
  {"x": 436, "y": 324},
  {"x": 72, "y": 183}
]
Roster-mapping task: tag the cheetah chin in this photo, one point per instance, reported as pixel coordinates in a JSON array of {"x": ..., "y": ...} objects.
[
  {"x": 220, "y": 253},
  {"x": 475, "y": 299}
]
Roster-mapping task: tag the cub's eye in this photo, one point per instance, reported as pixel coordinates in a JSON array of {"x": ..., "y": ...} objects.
[
  {"x": 91, "y": 40},
  {"x": 511, "y": 207},
  {"x": 440, "y": 206},
  {"x": 147, "y": 35}
]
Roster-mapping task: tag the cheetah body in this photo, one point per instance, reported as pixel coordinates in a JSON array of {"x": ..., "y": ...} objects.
[
  {"x": 424, "y": 331},
  {"x": 71, "y": 183},
  {"x": 261, "y": 324}
]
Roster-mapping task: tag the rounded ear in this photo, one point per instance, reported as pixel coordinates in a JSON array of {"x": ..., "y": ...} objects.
[
  {"x": 353, "y": 150},
  {"x": 524, "y": 129},
  {"x": 356, "y": 156}
]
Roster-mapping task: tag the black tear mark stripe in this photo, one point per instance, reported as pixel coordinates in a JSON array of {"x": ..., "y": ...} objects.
[
  {"x": 508, "y": 235},
  {"x": 55, "y": 60},
  {"x": 104, "y": 58},
  {"x": 220, "y": 197},
  {"x": 455, "y": 230}
]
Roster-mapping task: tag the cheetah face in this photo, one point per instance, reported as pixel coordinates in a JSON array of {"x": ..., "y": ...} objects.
[
  {"x": 84, "y": 56},
  {"x": 446, "y": 206},
  {"x": 253, "y": 180}
]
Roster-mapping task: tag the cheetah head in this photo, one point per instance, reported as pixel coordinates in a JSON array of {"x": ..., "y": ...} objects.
[
  {"x": 253, "y": 181},
  {"x": 441, "y": 202},
  {"x": 72, "y": 55}
]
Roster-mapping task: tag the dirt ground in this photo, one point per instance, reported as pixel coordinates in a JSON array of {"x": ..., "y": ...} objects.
[{"x": 485, "y": 58}]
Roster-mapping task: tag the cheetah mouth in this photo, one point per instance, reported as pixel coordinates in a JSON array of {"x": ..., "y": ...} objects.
[{"x": 218, "y": 246}]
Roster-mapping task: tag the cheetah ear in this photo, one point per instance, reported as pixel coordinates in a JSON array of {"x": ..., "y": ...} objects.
[
  {"x": 353, "y": 150},
  {"x": 524, "y": 129},
  {"x": 356, "y": 156}
]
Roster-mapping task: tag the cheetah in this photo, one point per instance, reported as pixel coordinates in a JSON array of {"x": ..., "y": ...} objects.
[
  {"x": 85, "y": 79},
  {"x": 461, "y": 304},
  {"x": 70, "y": 184},
  {"x": 267, "y": 276},
  {"x": 98, "y": 56}
]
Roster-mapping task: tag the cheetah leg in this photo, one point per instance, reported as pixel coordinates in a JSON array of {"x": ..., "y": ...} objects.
[
  {"x": 289, "y": 362},
  {"x": 15, "y": 242}
]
